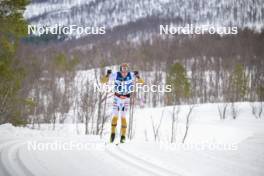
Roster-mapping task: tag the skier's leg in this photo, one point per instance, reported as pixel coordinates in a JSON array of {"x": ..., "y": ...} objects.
[
  {"x": 123, "y": 120},
  {"x": 115, "y": 118},
  {"x": 123, "y": 126},
  {"x": 113, "y": 128},
  {"x": 114, "y": 124}
]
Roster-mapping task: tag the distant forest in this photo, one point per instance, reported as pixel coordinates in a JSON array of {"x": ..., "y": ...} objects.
[
  {"x": 218, "y": 69},
  {"x": 211, "y": 59}
]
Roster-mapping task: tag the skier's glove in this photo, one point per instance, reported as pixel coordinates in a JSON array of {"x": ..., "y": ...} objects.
[
  {"x": 136, "y": 74},
  {"x": 139, "y": 80},
  {"x": 108, "y": 73}
]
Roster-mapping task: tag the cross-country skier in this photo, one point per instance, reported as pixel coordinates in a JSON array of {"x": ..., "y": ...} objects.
[{"x": 123, "y": 80}]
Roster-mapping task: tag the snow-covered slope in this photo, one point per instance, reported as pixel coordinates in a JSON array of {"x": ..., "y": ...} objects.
[
  {"x": 241, "y": 13},
  {"x": 240, "y": 153}
]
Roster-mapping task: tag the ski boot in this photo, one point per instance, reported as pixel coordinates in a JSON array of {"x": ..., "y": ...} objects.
[
  {"x": 122, "y": 139},
  {"x": 112, "y": 137}
]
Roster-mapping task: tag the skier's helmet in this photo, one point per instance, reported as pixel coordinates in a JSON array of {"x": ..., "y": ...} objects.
[{"x": 124, "y": 67}]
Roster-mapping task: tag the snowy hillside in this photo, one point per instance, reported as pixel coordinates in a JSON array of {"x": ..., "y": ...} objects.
[
  {"x": 213, "y": 147},
  {"x": 132, "y": 88},
  {"x": 119, "y": 12}
]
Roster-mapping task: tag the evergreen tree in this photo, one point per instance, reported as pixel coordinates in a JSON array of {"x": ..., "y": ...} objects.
[
  {"x": 13, "y": 27},
  {"x": 177, "y": 78},
  {"x": 238, "y": 83}
]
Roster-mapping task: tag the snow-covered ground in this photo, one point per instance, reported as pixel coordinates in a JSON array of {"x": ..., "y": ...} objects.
[{"x": 212, "y": 147}]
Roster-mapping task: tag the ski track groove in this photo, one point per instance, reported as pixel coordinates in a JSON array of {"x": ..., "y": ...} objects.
[
  {"x": 32, "y": 162},
  {"x": 139, "y": 164},
  {"x": 132, "y": 164},
  {"x": 20, "y": 161},
  {"x": 3, "y": 169},
  {"x": 11, "y": 152},
  {"x": 10, "y": 161},
  {"x": 152, "y": 165}
]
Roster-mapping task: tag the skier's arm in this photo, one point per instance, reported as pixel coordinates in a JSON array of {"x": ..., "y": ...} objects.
[
  {"x": 105, "y": 78},
  {"x": 139, "y": 80}
]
